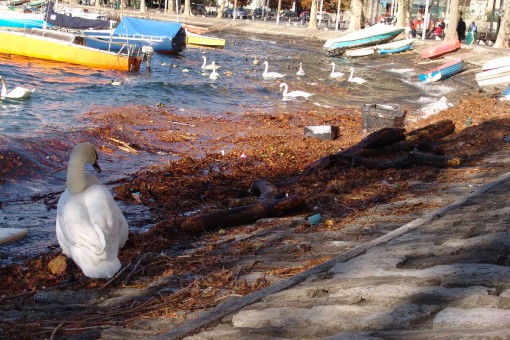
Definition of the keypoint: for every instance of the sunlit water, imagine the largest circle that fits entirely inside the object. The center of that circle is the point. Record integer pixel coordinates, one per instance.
(63, 93)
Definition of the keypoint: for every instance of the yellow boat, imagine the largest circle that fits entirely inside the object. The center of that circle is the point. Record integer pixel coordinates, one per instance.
(63, 47)
(199, 40)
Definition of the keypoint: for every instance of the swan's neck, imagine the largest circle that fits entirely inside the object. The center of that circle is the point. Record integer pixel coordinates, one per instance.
(205, 60)
(76, 180)
(285, 89)
(4, 89)
(267, 67)
(333, 70)
(352, 72)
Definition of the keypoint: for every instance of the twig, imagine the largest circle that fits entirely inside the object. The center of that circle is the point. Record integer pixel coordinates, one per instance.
(55, 330)
(126, 280)
(116, 276)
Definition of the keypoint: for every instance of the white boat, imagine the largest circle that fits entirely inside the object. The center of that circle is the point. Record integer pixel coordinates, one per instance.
(500, 75)
(496, 63)
(369, 36)
(360, 52)
(395, 46)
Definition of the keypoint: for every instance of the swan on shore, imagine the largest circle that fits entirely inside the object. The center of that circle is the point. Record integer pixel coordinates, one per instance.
(334, 74)
(214, 74)
(271, 75)
(300, 72)
(356, 80)
(15, 93)
(293, 94)
(210, 66)
(90, 226)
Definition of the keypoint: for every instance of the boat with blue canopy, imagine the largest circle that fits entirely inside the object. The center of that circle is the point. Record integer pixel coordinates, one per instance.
(163, 36)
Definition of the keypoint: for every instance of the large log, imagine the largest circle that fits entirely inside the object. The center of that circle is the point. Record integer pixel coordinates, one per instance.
(434, 131)
(269, 205)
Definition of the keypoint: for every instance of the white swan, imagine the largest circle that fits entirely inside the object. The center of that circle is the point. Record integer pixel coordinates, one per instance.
(214, 74)
(334, 74)
(293, 94)
(15, 93)
(210, 66)
(115, 83)
(357, 80)
(271, 75)
(90, 226)
(300, 72)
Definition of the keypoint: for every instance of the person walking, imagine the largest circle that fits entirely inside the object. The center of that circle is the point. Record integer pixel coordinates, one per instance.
(461, 29)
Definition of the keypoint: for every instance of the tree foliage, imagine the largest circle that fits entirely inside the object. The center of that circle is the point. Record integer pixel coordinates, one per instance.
(327, 5)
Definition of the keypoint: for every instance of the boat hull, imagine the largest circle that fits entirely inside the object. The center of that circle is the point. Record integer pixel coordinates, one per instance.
(496, 63)
(360, 52)
(395, 47)
(366, 37)
(13, 19)
(198, 40)
(440, 49)
(44, 47)
(495, 76)
(443, 72)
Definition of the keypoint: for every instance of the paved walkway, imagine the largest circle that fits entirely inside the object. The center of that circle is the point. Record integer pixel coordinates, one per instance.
(445, 275)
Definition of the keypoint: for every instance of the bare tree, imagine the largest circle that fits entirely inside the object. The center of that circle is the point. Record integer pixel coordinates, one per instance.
(313, 16)
(453, 19)
(187, 8)
(356, 15)
(402, 18)
(504, 27)
(221, 9)
(142, 6)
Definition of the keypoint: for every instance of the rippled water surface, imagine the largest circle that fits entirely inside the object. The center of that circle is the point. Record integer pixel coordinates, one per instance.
(63, 93)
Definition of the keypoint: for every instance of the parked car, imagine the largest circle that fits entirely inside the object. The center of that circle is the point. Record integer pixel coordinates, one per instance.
(240, 13)
(257, 13)
(304, 16)
(289, 15)
(198, 9)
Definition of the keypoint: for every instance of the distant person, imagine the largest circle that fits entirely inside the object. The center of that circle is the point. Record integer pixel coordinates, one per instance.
(461, 29)
(429, 33)
(439, 29)
(412, 26)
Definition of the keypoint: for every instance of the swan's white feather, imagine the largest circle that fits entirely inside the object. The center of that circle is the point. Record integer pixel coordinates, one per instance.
(293, 94)
(334, 74)
(271, 75)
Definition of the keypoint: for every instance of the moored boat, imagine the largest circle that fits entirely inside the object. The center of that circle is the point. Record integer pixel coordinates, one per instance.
(360, 52)
(443, 71)
(65, 47)
(21, 19)
(500, 75)
(440, 49)
(372, 35)
(395, 46)
(496, 63)
(163, 36)
(199, 40)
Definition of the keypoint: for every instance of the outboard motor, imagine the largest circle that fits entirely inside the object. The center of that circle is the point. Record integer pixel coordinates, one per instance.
(147, 53)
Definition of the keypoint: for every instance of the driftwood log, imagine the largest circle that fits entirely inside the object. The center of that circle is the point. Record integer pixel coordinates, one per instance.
(270, 204)
(419, 147)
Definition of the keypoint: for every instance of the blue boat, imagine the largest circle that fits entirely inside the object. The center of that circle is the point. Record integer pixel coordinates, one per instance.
(444, 71)
(370, 36)
(21, 19)
(395, 47)
(162, 36)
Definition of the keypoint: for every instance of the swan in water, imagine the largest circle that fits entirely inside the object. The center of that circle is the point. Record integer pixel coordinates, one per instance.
(15, 93)
(271, 75)
(256, 61)
(210, 66)
(334, 74)
(90, 226)
(300, 72)
(356, 80)
(293, 94)
(214, 74)
(115, 83)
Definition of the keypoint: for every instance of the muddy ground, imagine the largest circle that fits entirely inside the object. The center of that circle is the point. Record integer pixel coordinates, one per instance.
(169, 275)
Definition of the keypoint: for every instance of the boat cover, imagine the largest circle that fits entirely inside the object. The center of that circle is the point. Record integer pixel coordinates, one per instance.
(146, 27)
(68, 21)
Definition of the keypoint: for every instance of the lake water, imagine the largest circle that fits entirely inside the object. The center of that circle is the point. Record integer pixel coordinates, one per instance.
(63, 93)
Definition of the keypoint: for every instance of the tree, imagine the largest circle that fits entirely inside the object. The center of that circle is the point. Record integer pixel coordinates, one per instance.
(504, 28)
(221, 9)
(453, 19)
(356, 15)
(401, 14)
(187, 8)
(313, 16)
(142, 6)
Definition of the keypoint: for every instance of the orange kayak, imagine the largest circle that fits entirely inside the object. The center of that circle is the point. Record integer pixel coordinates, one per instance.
(440, 49)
